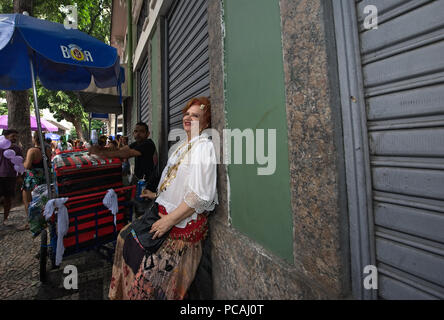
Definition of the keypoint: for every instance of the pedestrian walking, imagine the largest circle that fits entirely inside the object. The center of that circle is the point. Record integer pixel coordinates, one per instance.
(8, 175)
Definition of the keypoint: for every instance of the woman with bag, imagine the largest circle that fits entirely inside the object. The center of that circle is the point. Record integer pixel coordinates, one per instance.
(157, 255)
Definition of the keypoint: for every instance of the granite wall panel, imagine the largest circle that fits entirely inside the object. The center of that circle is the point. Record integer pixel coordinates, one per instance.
(241, 269)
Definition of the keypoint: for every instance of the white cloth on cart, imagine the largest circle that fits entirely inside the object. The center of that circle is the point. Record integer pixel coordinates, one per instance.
(62, 223)
(110, 201)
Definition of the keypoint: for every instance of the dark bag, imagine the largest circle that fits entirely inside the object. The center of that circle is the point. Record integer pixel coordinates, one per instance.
(142, 227)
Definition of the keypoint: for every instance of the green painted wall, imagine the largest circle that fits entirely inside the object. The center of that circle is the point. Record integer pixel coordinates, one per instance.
(155, 87)
(255, 98)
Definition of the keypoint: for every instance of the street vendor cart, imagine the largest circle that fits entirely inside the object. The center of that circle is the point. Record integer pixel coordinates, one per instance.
(84, 181)
(65, 59)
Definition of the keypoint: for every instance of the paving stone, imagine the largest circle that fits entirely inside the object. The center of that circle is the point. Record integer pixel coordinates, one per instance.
(19, 269)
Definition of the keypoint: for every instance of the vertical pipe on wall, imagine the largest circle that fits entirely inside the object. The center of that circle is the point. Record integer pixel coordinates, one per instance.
(163, 23)
(130, 46)
(357, 165)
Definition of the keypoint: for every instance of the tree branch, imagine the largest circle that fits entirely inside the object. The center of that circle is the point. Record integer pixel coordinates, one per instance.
(93, 21)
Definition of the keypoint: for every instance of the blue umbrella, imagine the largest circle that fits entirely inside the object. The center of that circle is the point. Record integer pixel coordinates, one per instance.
(52, 136)
(63, 59)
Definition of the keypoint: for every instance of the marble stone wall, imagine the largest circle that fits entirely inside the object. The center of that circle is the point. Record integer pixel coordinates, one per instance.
(315, 135)
(241, 269)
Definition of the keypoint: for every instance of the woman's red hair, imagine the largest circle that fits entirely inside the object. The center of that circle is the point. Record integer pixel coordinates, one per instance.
(200, 101)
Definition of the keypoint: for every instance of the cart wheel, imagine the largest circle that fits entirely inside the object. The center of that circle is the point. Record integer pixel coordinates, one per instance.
(43, 254)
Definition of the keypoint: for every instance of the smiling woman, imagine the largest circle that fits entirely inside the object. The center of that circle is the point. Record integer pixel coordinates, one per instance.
(197, 110)
(185, 195)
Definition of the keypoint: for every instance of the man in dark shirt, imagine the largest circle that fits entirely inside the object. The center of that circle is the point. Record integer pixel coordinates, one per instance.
(144, 151)
(146, 163)
(8, 176)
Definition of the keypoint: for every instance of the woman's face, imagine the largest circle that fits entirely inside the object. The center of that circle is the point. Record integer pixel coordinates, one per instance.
(194, 115)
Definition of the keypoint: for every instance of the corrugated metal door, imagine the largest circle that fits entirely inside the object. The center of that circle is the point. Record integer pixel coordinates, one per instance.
(403, 73)
(187, 56)
(144, 93)
(127, 117)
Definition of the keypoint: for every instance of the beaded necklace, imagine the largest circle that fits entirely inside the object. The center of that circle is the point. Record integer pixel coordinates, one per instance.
(172, 170)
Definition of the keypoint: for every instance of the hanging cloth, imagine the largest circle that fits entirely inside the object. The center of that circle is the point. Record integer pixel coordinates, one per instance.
(62, 223)
(110, 201)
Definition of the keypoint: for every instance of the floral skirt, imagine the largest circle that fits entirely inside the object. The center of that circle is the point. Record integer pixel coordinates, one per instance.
(33, 178)
(165, 275)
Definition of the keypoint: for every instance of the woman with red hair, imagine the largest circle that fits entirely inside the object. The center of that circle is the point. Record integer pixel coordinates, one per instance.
(185, 194)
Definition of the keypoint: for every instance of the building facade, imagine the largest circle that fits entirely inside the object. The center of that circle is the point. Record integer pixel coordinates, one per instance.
(348, 103)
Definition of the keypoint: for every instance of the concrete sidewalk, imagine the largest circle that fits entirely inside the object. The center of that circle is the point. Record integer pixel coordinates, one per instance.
(19, 267)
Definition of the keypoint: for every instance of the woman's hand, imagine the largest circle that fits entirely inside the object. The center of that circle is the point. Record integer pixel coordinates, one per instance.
(148, 194)
(166, 222)
(161, 226)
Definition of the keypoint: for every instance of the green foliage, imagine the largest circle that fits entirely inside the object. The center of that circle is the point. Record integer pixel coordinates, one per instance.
(73, 134)
(6, 6)
(96, 124)
(60, 103)
(3, 106)
(93, 16)
(3, 109)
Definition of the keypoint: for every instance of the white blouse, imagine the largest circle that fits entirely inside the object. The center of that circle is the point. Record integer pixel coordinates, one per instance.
(195, 181)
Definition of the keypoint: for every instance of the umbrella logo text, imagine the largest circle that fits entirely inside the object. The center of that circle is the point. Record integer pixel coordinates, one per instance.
(75, 52)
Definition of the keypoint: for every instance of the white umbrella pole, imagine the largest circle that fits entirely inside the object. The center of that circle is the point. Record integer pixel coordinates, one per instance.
(39, 128)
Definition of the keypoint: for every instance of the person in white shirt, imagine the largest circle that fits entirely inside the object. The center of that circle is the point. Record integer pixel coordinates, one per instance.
(185, 194)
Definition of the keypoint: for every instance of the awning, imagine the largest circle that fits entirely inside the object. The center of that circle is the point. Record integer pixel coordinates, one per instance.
(100, 103)
(102, 100)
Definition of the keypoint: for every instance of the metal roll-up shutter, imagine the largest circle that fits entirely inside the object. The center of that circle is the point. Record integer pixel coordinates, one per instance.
(144, 93)
(127, 117)
(403, 72)
(188, 57)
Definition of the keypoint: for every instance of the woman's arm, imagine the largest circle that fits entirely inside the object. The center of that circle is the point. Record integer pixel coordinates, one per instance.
(165, 223)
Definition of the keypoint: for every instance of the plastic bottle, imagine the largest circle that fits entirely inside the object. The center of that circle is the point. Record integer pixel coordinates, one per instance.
(94, 137)
(141, 184)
